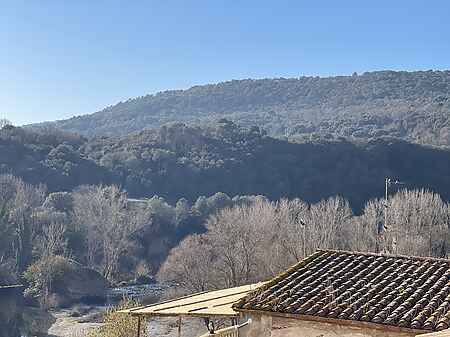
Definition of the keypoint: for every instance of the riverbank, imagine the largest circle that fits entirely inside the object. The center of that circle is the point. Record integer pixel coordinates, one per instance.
(77, 320)
(66, 325)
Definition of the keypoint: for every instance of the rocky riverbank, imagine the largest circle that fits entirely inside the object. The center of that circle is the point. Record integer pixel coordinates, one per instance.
(65, 325)
(73, 323)
(76, 320)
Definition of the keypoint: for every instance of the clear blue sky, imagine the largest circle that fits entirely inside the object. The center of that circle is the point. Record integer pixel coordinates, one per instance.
(61, 58)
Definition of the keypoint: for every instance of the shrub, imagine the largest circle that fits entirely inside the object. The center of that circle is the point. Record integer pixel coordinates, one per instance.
(117, 324)
(43, 274)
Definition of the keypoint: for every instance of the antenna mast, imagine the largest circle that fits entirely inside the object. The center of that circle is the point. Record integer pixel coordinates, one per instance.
(388, 182)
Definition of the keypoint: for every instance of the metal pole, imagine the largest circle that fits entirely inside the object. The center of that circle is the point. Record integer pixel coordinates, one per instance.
(179, 326)
(386, 202)
(303, 242)
(139, 327)
(386, 206)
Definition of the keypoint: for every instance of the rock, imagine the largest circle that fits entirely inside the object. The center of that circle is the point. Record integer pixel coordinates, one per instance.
(75, 313)
(80, 285)
(145, 279)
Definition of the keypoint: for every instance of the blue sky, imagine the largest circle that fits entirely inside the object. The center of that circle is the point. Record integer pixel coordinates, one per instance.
(61, 58)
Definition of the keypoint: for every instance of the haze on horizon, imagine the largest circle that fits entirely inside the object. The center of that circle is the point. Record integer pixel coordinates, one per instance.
(71, 58)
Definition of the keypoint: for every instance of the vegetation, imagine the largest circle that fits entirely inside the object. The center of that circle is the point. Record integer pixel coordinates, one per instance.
(414, 106)
(45, 236)
(116, 324)
(178, 161)
(73, 199)
(48, 157)
(250, 243)
(42, 275)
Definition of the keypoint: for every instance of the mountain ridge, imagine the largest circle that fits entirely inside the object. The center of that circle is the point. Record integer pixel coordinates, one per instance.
(413, 106)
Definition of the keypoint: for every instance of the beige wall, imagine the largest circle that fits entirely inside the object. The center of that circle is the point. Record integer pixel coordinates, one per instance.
(261, 326)
(283, 327)
(267, 326)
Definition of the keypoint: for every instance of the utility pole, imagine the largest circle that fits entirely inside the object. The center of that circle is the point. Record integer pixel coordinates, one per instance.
(387, 181)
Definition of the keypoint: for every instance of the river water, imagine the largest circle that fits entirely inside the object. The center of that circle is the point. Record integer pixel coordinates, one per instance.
(146, 293)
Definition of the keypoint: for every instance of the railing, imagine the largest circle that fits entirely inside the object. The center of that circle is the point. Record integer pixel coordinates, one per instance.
(232, 331)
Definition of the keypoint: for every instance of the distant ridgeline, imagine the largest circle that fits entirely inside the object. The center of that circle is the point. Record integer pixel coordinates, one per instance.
(178, 161)
(413, 106)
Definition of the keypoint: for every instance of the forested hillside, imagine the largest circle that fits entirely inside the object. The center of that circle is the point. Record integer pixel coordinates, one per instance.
(414, 106)
(49, 157)
(179, 161)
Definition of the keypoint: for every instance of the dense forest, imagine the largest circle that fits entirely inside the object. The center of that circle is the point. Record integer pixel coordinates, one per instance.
(413, 106)
(178, 161)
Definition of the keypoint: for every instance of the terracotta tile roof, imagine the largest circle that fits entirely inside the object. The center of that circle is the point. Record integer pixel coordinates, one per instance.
(401, 291)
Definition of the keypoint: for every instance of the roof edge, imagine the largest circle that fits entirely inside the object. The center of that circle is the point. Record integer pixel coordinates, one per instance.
(191, 314)
(347, 322)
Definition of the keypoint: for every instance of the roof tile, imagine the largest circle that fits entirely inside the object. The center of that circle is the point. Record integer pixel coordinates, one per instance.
(401, 291)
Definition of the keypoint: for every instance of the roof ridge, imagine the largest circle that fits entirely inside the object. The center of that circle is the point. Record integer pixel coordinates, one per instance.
(399, 256)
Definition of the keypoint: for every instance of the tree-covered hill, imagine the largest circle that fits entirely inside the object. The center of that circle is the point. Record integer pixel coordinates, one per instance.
(178, 161)
(49, 157)
(414, 106)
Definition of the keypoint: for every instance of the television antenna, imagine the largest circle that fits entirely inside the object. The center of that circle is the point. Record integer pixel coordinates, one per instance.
(385, 227)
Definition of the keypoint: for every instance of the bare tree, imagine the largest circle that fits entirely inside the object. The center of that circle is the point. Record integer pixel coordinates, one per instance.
(327, 224)
(239, 236)
(18, 201)
(4, 122)
(253, 242)
(365, 231)
(110, 224)
(417, 223)
(291, 231)
(234, 251)
(54, 240)
(191, 265)
(250, 243)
